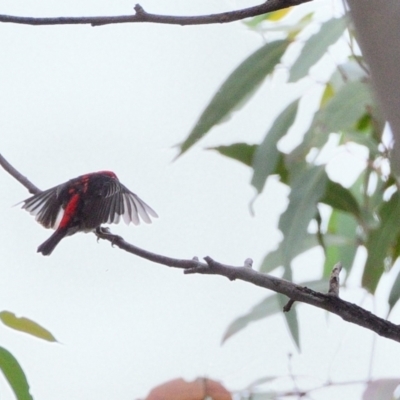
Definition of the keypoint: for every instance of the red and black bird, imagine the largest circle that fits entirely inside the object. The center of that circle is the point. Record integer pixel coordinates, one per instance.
(83, 204)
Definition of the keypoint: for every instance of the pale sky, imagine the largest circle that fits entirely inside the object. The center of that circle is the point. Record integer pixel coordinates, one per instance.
(77, 99)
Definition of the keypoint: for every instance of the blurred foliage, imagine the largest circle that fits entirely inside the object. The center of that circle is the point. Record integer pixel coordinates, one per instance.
(348, 217)
(9, 365)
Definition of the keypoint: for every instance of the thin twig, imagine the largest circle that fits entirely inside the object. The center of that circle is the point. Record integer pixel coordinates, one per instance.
(334, 282)
(142, 16)
(18, 176)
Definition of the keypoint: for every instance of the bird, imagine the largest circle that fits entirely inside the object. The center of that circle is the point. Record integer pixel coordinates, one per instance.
(84, 203)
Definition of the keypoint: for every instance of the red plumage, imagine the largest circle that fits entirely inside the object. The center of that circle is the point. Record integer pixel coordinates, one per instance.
(83, 204)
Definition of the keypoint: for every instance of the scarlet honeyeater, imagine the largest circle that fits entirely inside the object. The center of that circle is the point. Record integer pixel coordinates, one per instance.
(83, 204)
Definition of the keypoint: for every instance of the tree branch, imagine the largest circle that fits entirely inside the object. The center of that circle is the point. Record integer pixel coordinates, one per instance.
(330, 302)
(18, 176)
(142, 16)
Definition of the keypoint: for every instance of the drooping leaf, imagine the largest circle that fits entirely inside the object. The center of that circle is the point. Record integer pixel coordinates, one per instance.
(394, 295)
(291, 320)
(275, 259)
(242, 152)
(345, 108)
(265, 308)
(308, 188)
(381, 389)
(340, 241)
(361, 138)
(278, 15)
(327, 95)
(341, 112)
(380, 242)
(340, 198)
(266, 156)
(255, 21)
(316, 46)
(294, 29)
(26, 325)
(241, 83)
(14, 375)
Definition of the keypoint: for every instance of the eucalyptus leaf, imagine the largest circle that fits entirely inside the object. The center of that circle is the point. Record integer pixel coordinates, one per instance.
(26, 325)
(342, 227)
(291, 320)
(15, 375)
(345, 108)
(380, 242)
(306, 191)
(340, 198)
(239, 85)
(265, 308)
(317, 46)
(394, 295)
(242, 152)
(267, 155)
(275, 258)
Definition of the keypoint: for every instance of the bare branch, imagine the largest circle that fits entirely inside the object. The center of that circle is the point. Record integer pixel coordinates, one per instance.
(142, 16)
(348, 311)
(18, 176)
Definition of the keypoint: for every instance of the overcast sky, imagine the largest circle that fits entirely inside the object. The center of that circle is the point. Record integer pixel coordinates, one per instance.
(77, 99)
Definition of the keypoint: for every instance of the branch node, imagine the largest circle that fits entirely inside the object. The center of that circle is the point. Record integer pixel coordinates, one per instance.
(139, 10)
(248, 263)
(288, 305)
(334, 282)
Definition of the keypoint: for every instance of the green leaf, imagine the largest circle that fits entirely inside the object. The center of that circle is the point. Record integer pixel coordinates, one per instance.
(266, 156)
(308, 188)
(291, 320)
(275, 258)
(394, 295)
(380, 242)
(316, 46)
(327, 95)
(265, 308)
(14, 375)
(340, 198)
(255, 21)
(26, 325)
(340, 241)
(363, 139)
(281, 169)
(278, 15)
(242, 152)
(345, 108)
(341, 112)
(241, 83)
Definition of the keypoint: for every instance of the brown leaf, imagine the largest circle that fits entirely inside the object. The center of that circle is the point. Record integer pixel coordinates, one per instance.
(179, 389)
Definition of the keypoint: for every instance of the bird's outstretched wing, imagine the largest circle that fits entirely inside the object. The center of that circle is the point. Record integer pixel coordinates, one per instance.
(46, 207)
(116, 201)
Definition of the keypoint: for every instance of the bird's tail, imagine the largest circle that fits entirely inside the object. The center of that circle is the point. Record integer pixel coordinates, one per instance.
(49, 245)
